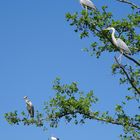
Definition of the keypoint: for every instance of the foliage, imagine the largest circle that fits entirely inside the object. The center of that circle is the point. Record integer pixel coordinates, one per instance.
(73, 105)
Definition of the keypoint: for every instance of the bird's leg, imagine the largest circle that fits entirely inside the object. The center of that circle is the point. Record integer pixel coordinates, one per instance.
(86, 10)
(28, 116)
(120, 57)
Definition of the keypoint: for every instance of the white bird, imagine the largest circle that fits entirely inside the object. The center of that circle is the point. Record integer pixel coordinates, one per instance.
(54, 138)
(119, 43)
(29, 106)
(88, 4)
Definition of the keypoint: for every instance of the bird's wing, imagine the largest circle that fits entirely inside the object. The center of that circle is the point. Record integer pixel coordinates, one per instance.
(88, 3)
(30, 109)
(122, 45)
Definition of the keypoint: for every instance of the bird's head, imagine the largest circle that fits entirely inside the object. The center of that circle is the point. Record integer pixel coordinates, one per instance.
(25, 97)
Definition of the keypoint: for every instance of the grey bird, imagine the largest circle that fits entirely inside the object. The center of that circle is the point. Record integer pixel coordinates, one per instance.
(124, 49)
(29, 106)
(88, 4)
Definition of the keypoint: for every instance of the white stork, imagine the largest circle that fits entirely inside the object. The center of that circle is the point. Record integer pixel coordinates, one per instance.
(29, 106)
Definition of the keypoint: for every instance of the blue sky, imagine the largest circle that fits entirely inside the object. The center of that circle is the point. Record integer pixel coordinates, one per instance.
(36, 46)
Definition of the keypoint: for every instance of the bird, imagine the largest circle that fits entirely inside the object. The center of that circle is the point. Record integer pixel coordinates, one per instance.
(29, 106)
(124, 49)
(54, 138)
(88, 4)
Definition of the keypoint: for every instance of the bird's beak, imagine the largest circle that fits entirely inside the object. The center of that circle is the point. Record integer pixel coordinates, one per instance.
(106, 29)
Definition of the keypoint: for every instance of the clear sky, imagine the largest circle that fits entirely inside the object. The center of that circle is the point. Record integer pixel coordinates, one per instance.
(36, 46)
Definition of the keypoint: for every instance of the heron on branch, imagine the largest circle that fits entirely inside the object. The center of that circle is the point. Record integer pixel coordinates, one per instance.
(29, 106)
(88, 4)
(124, 49)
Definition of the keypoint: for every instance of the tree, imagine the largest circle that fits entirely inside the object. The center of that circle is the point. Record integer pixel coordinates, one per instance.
(70, 102)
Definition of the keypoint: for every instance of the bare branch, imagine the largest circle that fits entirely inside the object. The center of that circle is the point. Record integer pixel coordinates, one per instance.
(132, 59)
(130, 3)
(128, 77)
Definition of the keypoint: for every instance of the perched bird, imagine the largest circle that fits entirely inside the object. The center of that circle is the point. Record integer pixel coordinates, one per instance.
(29, 106)
(119, 43)
(54, 138)
(88, 4)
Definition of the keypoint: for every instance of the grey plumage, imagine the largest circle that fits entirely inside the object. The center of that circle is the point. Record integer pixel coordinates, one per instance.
(88, 4)
(29, 106)
(123, 46)
(119, 43)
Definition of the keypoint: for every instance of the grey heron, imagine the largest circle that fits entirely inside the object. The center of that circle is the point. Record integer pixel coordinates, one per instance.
(119, 43)
(88, 4)
(54, 138)
(29, 106)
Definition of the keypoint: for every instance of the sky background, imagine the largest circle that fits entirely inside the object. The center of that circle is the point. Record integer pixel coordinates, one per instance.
(36, 46)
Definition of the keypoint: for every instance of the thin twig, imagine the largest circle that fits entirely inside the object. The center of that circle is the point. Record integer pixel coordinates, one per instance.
(129, 79)
(132, 59)
(130, 3)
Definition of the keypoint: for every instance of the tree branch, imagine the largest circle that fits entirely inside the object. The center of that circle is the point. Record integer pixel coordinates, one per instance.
(130, 3)
(129, 79)
(90, 116)
(132, 59)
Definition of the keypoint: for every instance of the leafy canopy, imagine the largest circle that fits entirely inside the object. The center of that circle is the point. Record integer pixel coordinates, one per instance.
(72, 104)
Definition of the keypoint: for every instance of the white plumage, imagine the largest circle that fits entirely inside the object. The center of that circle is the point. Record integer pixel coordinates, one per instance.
(88, 4)
(29, 106)
(119, 43)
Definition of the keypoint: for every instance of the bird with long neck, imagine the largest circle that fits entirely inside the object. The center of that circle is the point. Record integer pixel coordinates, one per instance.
(113, 36)
(29, 106)
(119, 43)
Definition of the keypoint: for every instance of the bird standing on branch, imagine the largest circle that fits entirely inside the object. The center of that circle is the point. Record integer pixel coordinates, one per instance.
(88, 4)
(29, 106)
(119, 43)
